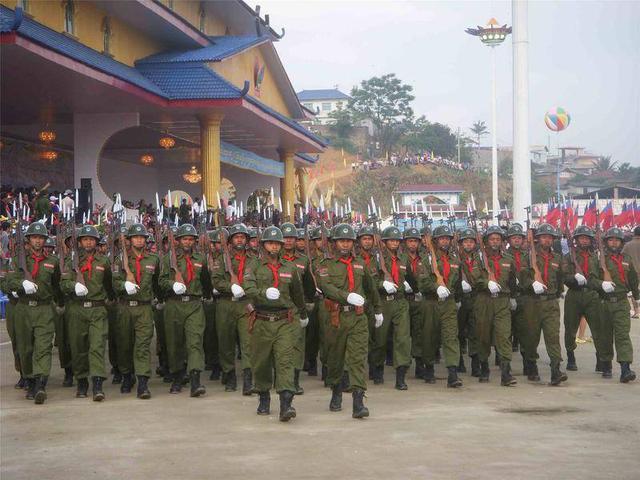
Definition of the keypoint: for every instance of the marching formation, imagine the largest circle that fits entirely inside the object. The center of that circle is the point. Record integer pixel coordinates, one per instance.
(266, 302)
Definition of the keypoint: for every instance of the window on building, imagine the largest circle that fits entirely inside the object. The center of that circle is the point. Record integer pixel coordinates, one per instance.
(106, 35)
(326, 107)
(24, 4)
(69, 15)
(339, 105)
(308, 105)
(203, 17)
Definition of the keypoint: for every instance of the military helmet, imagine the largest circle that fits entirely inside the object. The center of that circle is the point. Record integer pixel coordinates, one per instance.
(89, 231)
(366, 230)
(137, 230)
(50, 242)
(494, 229)
(253, 232)
(214, 235)
(614, 232)
(272, 234)
(442, 231)
(391, 233)
(515, 229)
(102, 241)
(584, 230)
(467, 233)
(37, 228)
(316, 233)
(343, 231)
(237, 229)
(123, 230)
(186, 230)
(426, 230)
(300, 233)
(288, 230)
(411, 233)
(546, 229)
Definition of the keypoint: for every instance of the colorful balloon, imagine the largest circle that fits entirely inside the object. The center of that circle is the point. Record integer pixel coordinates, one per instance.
(557, 119)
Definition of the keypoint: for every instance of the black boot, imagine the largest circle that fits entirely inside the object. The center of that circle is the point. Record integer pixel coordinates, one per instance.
(598, 364)
(247, 382)
(68, 377)
(296, 383)
(40, 392)
(506, 379)
(127, 383)
(572, 366)
(313, 367)
(438, 356)
(287, 412)
(359, 410)
(264, 406)
(532, 372)
(515, 344)
(526, 366)
(31, 389)
(626, 374)
(335, 405)
(117, 376)
(606, 369)
(83, 388)
(98, 394)
(378, 375)
(371, 371)
(20, 384)
(475, 366)
(197, 389)
(143, 388)
(215, 372)
(400, 382)
(323, 377)
(344, 382)
(419, 368)
(429, 374)
(484, 372)
(461, 366)
(453, 381)
(497, 362)
(232, 382)
(176, 382)
(168, 378)
(557, 376)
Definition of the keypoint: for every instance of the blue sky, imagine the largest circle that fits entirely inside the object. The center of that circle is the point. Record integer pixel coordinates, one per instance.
(583, 56)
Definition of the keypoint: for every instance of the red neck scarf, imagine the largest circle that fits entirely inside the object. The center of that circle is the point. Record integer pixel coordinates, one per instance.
(289, 258)
(36, 266)
(366, 257)
(347, 262)
(274, 271)
(190, 273)
(469, 262)
(241, 259)
(139, 268)
(585, 262)
(414, 263)
(617, 259)
(395, 270)
(496, 265)
(446, 267)
(516, 256)
(545, 275)
(88, 266)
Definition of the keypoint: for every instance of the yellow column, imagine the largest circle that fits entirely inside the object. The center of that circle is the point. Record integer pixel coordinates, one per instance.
(302, 185)
(210, 154)
(288, 183)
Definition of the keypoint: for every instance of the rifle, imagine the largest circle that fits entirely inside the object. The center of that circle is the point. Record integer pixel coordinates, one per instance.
(383, 266)
(485, 258)
(325, 241)
(434, 262)
(75, 258)
(456, 241)
(603, 263)
(173, 259)
(572, 251)
(22, 256)
(60, 247)
(533, 257)
(125, 259)
(307, 251)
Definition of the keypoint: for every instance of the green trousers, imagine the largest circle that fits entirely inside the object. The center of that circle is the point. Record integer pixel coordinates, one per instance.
(184, 329)
(323, 325)
(232, 323)
(210, 335)
(299, 344)
(34, 330)
(112, 337)
(519, 326)
(312, 334)
(615, 323)
(493, 324)
(543, 316)
(347, 349)
(161, 338)
(395, 312)
(576, 304)
(62, 338)
(88, 330)
(135, 331)
(467, 324)
(272, 348)
(416, 319)
(11, 330)
(441, 321)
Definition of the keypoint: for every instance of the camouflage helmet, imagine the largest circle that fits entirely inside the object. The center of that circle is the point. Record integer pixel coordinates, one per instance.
(515, 229)
(493, 229)
(343, 231)
(300, 233)
(316, 233)
(253, 232)
(442, 231)
(238, 228)
(272, 234)
(37, 228)
(366, 230)
(186, 230)
(214, 235)
(102, 241)
(614, 232)
(467, 233)
(411, 233)
(89, 231)
(50, 242)
(137, 230)
(391, 233)
(426, 230)
(288, 230)
(584, 230)
(546, 229)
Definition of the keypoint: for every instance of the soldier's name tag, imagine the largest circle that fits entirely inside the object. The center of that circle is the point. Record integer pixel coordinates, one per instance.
(215, 264)
(151, 268)
(323, 272)
(300, 266)
(506, 265)
(100, 268)
(554, 265)
(453, 265)
(402, 267)
(359, 267)
(285, 275)
(48, 265)
(626, 264)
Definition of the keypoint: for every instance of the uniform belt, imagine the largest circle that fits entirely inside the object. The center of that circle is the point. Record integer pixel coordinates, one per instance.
(544, 298)
(91, 303)
(389, 298)
(273, 316)
(185, 298)
(580, 289)
(614, 299)
(32, 303)
(414, 297)
(134, 303)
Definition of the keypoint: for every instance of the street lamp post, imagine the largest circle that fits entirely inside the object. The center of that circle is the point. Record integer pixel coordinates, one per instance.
(492, 35)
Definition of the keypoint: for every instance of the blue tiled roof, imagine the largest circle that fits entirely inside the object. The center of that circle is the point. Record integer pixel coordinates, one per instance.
(327, 94)
(223, 47)
(307, 158)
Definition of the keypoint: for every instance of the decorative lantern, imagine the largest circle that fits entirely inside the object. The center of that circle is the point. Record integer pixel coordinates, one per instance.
(47, 136)
(167, 142)
(49, 155)
(192, 176)
(146, 159)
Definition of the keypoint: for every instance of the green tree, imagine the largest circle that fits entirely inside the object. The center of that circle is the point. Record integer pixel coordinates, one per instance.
(341, 129)
(605, 164)
(479, 129)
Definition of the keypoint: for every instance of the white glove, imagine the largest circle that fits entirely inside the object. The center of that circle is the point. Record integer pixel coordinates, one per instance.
(517, 282)
(407, 287)
(608, 287)
(215, 292)
(379, 320)
(580, 279)
(237, 291)
(15, 294)
(389, 287)
(160, 306)
(466, 287)
(513, 304)
(318, 291)
(494, 287)
(29, 287)
(458, 305)
(131, 288)
(304, 322)
(81, 290)
(443, 292)
(179, 288)
(272, 293)
(538, 288)
(355, 299)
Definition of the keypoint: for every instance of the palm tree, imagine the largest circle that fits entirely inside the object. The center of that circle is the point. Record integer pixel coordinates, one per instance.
(605, 164)
(479, 129)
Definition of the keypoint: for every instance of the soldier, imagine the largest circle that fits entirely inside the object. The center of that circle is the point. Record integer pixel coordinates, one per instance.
(49, 246)
(615, 321)
(135, 318)
(232, 310)
(184, 314)
(441, 319)
(62, 325)
(254, 246)
(365, 238)
(34, 314)
(319, 321)
(470, 263)
(158, 317)
(277, 294)
(212, 360)
(347, 286)
(11, 322)
(520, 296)
(582, 298)
(542, 310)
(300, 242)
(492, 306)
(87, 314)
(113, 310)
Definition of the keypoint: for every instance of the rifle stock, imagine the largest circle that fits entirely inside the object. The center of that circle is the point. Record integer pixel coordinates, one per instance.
(173, 259)
(533, 257)
(485, 258)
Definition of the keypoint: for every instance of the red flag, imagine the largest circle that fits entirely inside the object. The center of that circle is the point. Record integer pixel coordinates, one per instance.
(607, 216)
(589, 217)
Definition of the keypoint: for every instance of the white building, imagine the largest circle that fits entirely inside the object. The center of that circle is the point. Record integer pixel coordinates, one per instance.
(434, 195)
(323, 102)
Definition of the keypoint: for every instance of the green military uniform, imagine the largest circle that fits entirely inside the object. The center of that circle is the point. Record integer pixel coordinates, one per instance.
(211, 356)
(316, 344)
(10, 308)
(114, 325)
(518, 297)
(469, 263)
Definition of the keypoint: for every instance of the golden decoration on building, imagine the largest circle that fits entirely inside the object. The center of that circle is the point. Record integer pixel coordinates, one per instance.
(146, 159)
(167, 142)
(192, 176)
(47, 136)
(49, 155)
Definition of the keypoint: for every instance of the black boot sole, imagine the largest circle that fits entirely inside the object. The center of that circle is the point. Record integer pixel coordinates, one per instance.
(402, 387)
(457, 384)
(263, 412)
(40, 397)
(144, 395)
(288, 415)
(361, 414)
(98, 397)
(628, 378)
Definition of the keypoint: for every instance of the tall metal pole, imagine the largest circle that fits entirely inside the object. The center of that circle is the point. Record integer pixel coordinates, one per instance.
(495, 203)
(521, 161)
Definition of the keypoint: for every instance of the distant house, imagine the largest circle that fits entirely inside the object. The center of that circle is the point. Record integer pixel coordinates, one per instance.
(323, 102)
(431, 194)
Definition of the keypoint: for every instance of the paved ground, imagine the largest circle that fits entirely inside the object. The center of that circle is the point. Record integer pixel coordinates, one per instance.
(587, 429)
